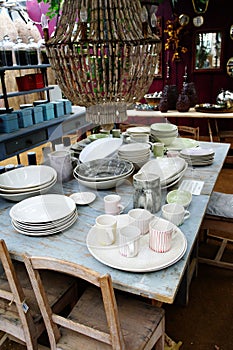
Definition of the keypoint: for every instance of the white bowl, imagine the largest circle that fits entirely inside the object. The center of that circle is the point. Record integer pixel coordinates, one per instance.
(164, 127)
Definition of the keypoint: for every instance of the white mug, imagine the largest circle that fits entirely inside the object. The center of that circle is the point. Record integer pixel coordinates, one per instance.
(141, 218)
(106, 229)
(160, 235)
(129, 238)
(112, 204)
(175, 213)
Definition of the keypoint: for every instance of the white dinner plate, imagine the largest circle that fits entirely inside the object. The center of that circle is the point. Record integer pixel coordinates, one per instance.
(44, 232)
(27, 177)
(197, 152)
(180, 143)
(44, 208)
(83, 198)
(99, 149)
(146, 261)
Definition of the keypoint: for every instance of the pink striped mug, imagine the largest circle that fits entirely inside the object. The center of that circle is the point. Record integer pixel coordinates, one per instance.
(160, 235)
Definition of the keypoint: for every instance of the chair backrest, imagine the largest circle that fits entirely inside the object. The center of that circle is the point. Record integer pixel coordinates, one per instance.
(189, 131)
(35, 265)
(21, 327)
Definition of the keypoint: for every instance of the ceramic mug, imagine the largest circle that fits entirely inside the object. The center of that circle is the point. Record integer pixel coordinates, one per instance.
(106, 229)
(175, 213)
(158, 149)
(116, 133)
(129, 238)
(112, 204)
(160, 235)
(141, 219)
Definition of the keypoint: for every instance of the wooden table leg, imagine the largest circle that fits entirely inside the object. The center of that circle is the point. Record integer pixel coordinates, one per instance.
(210, 130)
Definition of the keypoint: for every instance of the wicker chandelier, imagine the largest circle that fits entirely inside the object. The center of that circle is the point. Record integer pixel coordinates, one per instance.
(104, 56)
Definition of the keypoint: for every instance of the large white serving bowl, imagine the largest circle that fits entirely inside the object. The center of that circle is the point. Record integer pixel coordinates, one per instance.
(164, 132)
(27, 177)
(167, 141)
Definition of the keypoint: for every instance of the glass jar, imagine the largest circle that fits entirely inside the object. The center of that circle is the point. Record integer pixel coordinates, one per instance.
(21, 54)
(8, 51)
(32, 51)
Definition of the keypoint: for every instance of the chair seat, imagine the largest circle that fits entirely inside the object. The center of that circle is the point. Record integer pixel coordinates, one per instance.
(90, 311)
(218, 228)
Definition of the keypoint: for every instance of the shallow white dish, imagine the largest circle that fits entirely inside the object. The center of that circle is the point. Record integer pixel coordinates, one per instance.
(197, 152)
(44, 208)
(99, 149)
(147, 260)
(165, 168)
(139, 130)
(180, 143)
(83, 198)
(27, 177)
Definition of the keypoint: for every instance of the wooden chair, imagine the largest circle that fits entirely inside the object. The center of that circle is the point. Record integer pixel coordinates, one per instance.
(217, 226)
(97, 321)
(188, 131)
(20, 316)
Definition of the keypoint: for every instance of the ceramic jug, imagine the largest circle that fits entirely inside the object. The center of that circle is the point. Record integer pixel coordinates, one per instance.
(147, 192)
(61, 161)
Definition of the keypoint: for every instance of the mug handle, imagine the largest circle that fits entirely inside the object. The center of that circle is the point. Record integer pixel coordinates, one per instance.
(186, 215)
(121, 207)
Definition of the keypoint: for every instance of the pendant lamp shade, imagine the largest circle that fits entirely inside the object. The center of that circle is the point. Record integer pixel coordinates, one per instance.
(104, 56)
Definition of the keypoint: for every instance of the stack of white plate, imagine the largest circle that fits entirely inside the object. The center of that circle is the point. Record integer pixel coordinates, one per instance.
(198, 156)
(137, 153)
(170, 170)
(139, 133)
(28, 181)
(103, 173)
(164, 132)
(43, 215)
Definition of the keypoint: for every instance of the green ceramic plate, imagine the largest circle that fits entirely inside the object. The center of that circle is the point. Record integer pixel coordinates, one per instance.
(178, 196)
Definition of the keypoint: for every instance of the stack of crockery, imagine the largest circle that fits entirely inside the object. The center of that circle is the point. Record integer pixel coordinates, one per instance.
(48, 214)
(139, 133)
(103, 173)
(137, 153)
(198, 156)
(164, 132)
(28, 181)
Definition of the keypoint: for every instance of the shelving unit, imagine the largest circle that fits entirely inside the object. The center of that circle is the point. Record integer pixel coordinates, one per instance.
(6, 95)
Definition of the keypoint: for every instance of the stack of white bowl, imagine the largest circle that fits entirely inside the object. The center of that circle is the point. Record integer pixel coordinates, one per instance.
(164, 132)
(28, 181)
(137, 153)
(139, 133)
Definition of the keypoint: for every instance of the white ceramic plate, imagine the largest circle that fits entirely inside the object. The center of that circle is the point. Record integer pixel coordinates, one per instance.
(147, 260)
(180, 143)
(165, 168)
(99, 149)
(197, 152)
(45, 232)
(27, 177)
(44, 208)
(83, 198)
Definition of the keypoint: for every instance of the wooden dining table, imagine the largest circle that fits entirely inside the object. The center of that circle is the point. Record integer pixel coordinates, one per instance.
(163, 285)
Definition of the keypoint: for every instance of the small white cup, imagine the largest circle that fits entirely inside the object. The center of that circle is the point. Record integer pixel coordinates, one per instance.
(175, 213)
(141, 218)
(106, 229)
(160, 235)
(129, 238)
(112, 204)
(158, 149)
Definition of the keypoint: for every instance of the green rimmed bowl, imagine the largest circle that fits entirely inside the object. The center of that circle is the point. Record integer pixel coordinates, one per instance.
(179, 196)
(94, 137)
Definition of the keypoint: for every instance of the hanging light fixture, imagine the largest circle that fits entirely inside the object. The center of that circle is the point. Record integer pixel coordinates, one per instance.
(104, 56)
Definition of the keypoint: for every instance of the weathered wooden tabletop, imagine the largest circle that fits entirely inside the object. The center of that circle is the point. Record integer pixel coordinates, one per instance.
(70, 245)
